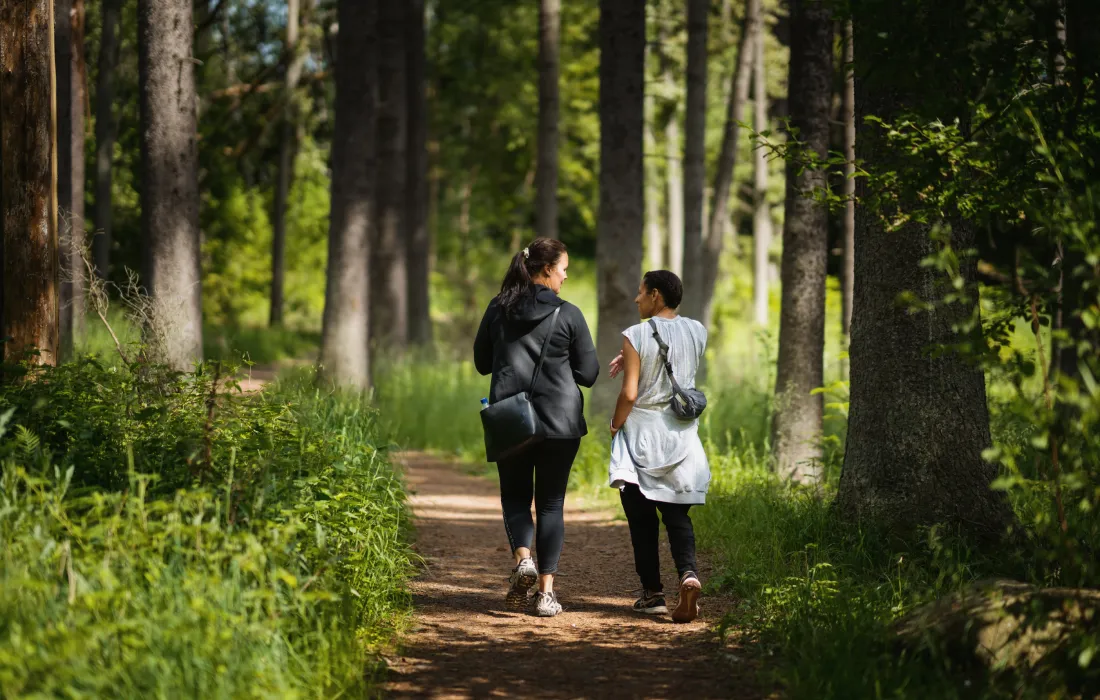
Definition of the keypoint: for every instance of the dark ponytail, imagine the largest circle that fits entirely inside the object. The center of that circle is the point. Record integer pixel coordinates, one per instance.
(527, 263)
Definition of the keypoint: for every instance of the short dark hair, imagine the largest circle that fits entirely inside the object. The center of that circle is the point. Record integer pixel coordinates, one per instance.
(668, 284)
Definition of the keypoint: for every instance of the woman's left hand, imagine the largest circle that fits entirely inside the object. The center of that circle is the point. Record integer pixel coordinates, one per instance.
(614, 430)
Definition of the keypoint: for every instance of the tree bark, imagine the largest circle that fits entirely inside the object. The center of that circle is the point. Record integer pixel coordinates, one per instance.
(727, 158)
(655, 240)
(169, 190)
(106, 127)
(288, 142)
(389, 283)
(674, 174)
(622, 178)
(416, 210)
(546, 174)
(796, 426)
(918, 421)
(69, 49)
(848, 274)
(695, 158)
(345, 351)
(762, 215)
(28, 183)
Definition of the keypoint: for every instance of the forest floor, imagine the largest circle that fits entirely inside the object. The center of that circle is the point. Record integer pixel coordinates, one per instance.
(465, 643)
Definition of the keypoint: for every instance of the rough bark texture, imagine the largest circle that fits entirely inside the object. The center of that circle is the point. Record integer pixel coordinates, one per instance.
(106, 125)
(28, 197)
(389, 283)
(848, 269)
(917, 423)
(761, 214)
(416, 210)
(796, 425)
(654, 234)
(169, 190)
(621, 215)
(295, 57)
(69, 50)
(695, 158)
(727, 158)
(546, 173)
(674, 174)
(345, 351)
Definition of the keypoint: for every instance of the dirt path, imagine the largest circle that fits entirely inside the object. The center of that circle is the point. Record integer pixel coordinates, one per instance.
(467, 644)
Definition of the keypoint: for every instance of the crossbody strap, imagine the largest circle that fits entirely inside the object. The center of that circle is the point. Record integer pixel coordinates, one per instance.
(664, 355)
(545, 344)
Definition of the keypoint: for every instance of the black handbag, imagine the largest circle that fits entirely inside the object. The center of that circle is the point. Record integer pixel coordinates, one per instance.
(511, 425)
(687, 404)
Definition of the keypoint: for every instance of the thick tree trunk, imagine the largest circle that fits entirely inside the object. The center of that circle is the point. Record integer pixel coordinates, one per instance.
(918, 421)
(546, 174)
(69, 49)
(762, 215)
(695, 158)
(169, 190)
(345, 351)
(727, 158)
(389, 279)
(622, 178)
(848, 269)
(295, 57)
(106, 125)
(416, 210)
(796, 426)
(28, 192)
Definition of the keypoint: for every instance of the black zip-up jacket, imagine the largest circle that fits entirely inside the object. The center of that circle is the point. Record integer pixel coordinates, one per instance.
(508, 346)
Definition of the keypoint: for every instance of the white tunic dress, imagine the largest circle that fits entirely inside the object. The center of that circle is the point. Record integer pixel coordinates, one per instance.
(655, 449)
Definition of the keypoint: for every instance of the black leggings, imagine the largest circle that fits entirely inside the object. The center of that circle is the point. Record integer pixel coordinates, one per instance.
(544, 471)
(645, 530)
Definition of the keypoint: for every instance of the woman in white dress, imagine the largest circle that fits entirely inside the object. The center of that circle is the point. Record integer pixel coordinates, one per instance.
(657, 459)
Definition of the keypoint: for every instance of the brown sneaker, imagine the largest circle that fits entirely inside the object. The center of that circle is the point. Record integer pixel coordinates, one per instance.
(687, 608)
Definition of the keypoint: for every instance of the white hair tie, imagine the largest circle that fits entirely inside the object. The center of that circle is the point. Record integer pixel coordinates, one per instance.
(526, 253)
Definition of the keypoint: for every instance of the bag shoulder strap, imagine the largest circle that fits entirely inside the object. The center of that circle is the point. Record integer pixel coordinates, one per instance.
(664, 355)
(542, 353)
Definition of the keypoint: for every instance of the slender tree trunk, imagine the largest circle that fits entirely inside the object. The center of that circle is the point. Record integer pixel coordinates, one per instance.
(345, 350)
(106, 125)
(796, 427)
(389, 282)
(69, 49)
(695, 158)
(848, 274)
(674, 181)
(762, 215)
(29, 282)
(622, 177)
(546, 176)
(416, 210)
(918, 421)
(295, 58)
(727, 158)
(654, 237)
(170, 191)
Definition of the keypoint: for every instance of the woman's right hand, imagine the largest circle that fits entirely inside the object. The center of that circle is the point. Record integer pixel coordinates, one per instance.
(616, 365)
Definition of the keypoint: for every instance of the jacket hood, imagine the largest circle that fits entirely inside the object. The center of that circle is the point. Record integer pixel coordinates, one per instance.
(536, 305)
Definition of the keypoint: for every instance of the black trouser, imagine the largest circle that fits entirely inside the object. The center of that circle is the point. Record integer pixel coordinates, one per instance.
(543, 470)
(645, 530)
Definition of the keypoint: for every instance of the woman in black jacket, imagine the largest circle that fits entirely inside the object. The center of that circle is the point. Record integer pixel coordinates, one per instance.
(508, 345)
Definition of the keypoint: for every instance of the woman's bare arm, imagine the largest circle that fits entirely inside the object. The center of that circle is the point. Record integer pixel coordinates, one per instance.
(632, 369)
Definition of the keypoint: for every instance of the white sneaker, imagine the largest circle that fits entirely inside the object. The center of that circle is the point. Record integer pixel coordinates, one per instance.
(546, 604)
(523, 577)
(687, 608)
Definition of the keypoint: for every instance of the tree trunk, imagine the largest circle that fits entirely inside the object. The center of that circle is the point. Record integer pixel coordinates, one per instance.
(106, 126)
(918, 422)
(796, 426)
(622, 178)
(345, 351)
(727, 158)
(389, 283)
(295, 58)
(416, 210)
(762, 215)
(695, 158)
(28, 183)
(546, 175)
(69, 49)
(169, 189)
(848, 274)
(654, 237)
